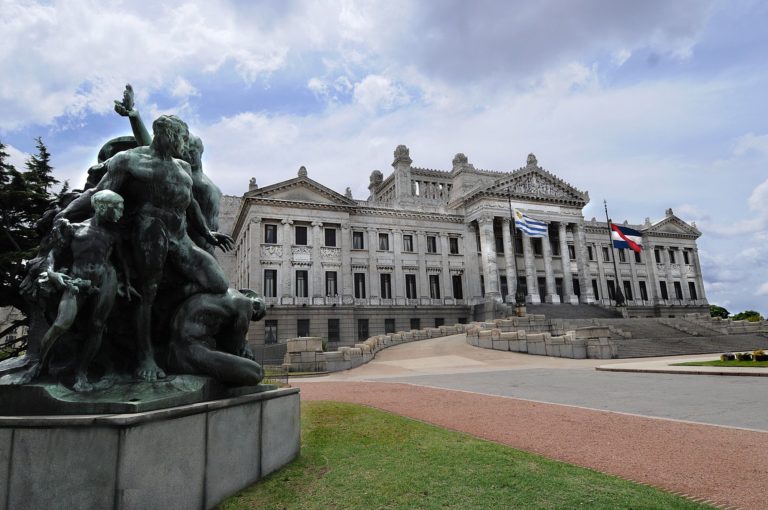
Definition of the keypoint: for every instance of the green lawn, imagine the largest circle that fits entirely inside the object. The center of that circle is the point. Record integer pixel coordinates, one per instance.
(356, 457)
(718, 363)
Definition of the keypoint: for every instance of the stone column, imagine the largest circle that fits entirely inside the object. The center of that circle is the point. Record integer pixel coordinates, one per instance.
(472, 268)
(255, 275)
(287, 267)
(421, 249)
(317, 290)
(398, 284)
(582, 264)
(509, 260)
(653, 272)
(530, 272)
(346, 265)
(488, 251)
(565, 258)
(373, 273)
(447, 290)
(551, 296)
(668, 271)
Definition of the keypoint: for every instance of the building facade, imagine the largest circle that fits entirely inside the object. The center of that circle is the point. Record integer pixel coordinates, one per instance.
(429, 245)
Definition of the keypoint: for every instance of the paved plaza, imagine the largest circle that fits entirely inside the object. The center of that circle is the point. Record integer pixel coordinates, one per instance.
(704, 436)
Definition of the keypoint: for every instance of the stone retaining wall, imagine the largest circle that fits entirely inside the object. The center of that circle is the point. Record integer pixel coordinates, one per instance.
(305, 354)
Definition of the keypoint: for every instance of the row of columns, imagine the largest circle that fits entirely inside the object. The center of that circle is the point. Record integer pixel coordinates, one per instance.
(491, 270)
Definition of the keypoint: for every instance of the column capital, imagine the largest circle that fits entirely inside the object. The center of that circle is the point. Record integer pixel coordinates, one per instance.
(506, 220)
(345, 226)
(255, 219)
(317, 223)
(287, 222)
(485, 219)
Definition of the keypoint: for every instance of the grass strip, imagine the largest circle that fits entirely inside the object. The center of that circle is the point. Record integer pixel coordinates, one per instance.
(356, 457)
(718, 363)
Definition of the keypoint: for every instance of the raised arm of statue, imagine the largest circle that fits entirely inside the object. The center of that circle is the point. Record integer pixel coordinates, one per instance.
(126, 108)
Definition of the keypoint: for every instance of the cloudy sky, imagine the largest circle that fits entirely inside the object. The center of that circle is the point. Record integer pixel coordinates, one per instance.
(649, 105)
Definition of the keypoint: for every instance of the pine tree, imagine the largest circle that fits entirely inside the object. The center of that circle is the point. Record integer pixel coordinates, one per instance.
(24, 197)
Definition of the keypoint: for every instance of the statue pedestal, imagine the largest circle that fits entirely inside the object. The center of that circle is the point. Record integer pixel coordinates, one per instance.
(192, 455)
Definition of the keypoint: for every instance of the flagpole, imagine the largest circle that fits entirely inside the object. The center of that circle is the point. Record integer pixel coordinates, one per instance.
(618, 296)
(519, 296)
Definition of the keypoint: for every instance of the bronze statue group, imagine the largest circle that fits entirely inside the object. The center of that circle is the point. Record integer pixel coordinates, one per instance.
(125, 281)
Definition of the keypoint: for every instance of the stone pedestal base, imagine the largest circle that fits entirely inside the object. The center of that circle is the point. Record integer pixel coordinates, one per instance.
(533, 299)
(189, 456)
(552, 298)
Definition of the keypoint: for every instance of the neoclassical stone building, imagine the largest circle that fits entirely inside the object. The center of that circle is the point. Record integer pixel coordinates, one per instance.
(427, 246)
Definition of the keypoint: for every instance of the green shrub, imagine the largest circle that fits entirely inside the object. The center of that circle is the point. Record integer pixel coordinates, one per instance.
(728, 356)
(744, 356)
(760, 355)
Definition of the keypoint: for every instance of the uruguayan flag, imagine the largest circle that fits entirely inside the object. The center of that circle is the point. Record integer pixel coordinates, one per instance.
(529, 226)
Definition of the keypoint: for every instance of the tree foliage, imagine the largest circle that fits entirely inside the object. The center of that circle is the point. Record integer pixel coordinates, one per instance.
(24, 197)
(718, 311)
(748, 315)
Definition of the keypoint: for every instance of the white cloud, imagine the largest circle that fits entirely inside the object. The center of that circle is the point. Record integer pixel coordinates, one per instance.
(182, 89)
(377, 92)
(751, 142)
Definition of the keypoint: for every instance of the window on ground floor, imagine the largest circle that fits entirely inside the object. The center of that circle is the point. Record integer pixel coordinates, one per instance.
(643, 291)
(362, 329)
(302, 285)
(678, 290)
(595, 288)
(439, 321)
(628, 289)
(270, 283)
(386, 285)
(331, 288)
(504, 287)
(611, 289)
(410, 286)
(302, 327)
(389, 326)
(434, 286)
(333, 330)
(458, 291)
(576, 287)
(664, 293)
(360, 285)
(692, 290)
(415, 323)
(270, 331)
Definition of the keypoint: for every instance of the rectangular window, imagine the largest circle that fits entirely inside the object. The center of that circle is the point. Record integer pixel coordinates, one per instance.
(671, 256)
(386, 286)
(622, 255)
(458, 291)
(360, 285)
(462, 320)
(657, 254)
(270, 331)
(439, 321)
(519, 244)
(415, 323)
(571, 252)
(611, 289)
(453, 245)
(434, 286)
(627, 290)
(302, 327)
(686, 257)
(595, 289)
(270, 283)
(331, 288)
(358, 242)
(477, 240)
(410, 286)
(692, 291)
(301, 235)
(330, 237)
(504, 287)
(678, 290)
(301, 284)
(431, 244)
(522, 284)
(384, 242)
(576, 287)
(270, 234)
(664, 293)
(389, 326)
(482, 286)
(499, 245)
(362, 329)
(537, 246)
(554, 244)
(590, 253)
(407, 242)
(643, 291)
(606, 254)
(333, 330)
(638, 258)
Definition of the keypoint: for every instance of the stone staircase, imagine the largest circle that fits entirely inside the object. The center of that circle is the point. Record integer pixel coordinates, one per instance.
(687, 344)
(565, 311)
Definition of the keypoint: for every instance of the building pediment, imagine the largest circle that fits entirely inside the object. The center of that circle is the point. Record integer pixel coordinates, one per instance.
(672, 226)
(535, 184)
(301, 189)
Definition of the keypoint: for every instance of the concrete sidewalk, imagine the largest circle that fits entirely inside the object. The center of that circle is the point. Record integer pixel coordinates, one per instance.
(666, 366)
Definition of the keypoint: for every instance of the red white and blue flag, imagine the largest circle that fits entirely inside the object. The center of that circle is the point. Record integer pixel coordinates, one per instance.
(625, 237)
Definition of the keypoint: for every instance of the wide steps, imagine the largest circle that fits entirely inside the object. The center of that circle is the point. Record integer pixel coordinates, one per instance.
(648, 347)
(568, 311)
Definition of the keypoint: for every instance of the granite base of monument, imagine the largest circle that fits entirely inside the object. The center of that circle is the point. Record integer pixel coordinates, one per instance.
(189, 456)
